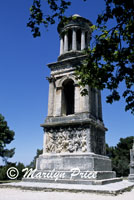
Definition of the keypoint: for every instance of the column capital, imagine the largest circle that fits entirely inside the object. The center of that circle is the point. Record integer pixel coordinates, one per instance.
(74, 28)
(51, 79)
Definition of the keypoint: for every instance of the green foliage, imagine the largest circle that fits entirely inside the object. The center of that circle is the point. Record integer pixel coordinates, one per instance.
(37, 17)
(20, 166)
(3, 170)
(6, 136)
(33, 163)
(110, 59)
(120, 156)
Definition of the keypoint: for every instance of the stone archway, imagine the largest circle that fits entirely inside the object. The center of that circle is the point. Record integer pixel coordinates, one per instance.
(68, 89)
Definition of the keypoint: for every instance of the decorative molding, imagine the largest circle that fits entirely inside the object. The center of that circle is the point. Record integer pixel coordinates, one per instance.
(59, 83)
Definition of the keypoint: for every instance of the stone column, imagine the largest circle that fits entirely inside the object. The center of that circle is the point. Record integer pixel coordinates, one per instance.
(58, 106)
(51, 97)
(99, 105)
(93, 102)
(77, 99)
(86, 101)
(83, 40)
(65, 42)
(74, 43)
(90, 100)
(89, 139)
(96, 98)
(61, 46)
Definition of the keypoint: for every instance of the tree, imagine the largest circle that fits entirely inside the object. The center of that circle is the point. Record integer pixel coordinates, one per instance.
(20, 166)
(33, 163)
(37, 17)
(120, 156)
(3, 170)
(6, 136)
(110, 59)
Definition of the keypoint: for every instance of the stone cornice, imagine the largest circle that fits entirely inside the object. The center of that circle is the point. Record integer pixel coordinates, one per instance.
(68, 61)
(81, 119)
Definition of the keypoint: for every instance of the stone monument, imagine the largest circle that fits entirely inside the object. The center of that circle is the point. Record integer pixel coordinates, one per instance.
(74, 132)
(131, 175)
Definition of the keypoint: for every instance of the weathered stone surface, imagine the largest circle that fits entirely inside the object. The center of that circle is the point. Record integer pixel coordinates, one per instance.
(67, 161)
(78, 168)
(74, 129)
(74, 138)
(73, 177)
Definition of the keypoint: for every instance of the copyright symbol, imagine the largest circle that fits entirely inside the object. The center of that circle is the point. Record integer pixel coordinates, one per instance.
(12, 173)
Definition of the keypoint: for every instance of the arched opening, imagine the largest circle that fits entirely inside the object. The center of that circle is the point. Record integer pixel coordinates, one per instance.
(68, 97)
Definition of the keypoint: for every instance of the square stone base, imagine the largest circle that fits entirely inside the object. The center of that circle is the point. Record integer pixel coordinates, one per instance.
(68, 161)
(80, 168)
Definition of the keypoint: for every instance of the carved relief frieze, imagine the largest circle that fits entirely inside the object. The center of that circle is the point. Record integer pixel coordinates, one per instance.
(66, 139)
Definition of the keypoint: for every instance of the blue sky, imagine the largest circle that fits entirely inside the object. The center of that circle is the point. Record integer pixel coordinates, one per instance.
(23, 72)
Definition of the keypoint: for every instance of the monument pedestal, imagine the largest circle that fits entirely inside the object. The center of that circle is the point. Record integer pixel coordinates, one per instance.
(79, 168)
(67, 161)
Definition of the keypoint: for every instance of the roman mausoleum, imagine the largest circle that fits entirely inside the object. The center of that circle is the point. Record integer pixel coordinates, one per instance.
(74, 132)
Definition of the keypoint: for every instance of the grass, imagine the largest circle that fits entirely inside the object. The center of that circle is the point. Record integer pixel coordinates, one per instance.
(9, 181)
